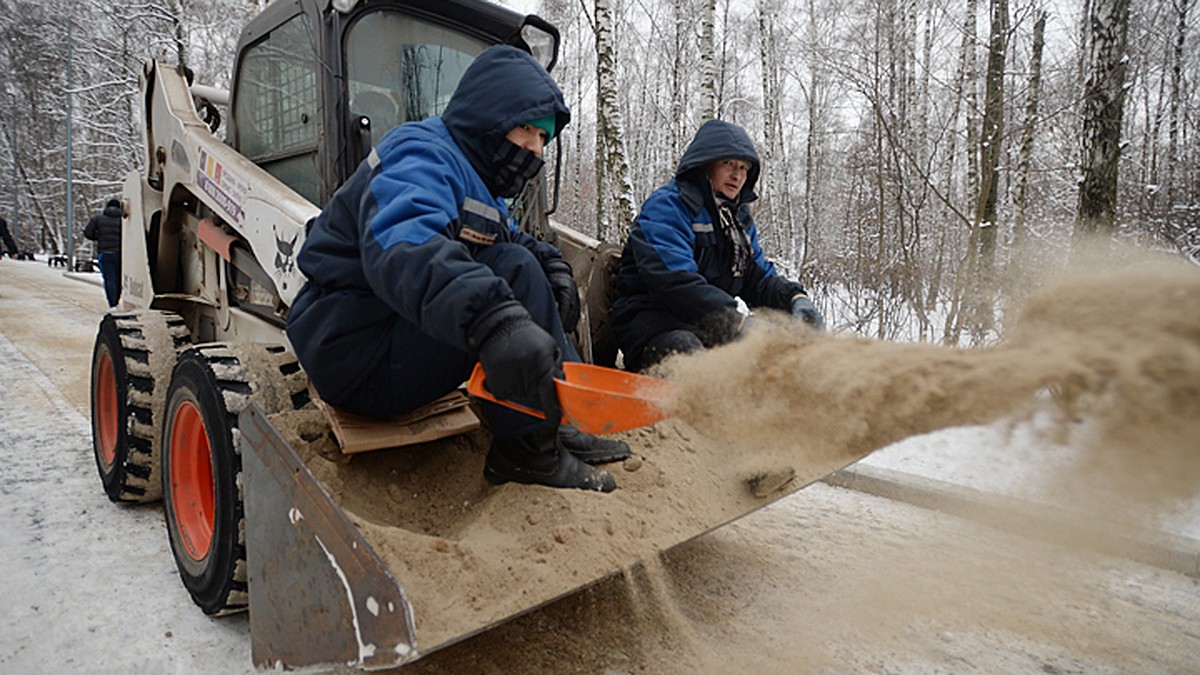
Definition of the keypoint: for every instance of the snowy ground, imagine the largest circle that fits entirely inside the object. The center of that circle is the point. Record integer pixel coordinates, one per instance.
(1017, 461)
(827, 579)
(88, 586)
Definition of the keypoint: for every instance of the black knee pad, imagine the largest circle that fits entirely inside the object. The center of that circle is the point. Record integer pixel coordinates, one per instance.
(663, 345)
(676, 342)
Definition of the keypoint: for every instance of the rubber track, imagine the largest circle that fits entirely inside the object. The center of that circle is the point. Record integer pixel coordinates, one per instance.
(144, 337)
(270, 376)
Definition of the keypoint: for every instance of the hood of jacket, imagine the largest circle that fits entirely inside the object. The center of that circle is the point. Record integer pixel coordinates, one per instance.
(503, 88)
(113, 208)
(714, 140)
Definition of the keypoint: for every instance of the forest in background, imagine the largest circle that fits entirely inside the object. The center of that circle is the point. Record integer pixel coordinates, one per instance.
(919, 155)
(79, 60)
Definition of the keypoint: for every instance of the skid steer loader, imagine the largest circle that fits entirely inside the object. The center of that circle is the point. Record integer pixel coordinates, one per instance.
(195, 391)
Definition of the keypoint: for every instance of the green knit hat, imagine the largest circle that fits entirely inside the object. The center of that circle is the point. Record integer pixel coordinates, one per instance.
(546, 124)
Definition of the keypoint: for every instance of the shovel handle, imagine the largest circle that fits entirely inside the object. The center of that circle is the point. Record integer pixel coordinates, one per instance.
(475, 388)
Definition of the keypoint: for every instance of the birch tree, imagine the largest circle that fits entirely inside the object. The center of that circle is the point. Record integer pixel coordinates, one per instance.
(967, 95)
(814, 143)
(614, 194)
(771, 208)
(708, 71)
(1189, 242)
(1028, 126)
(991, 146)
(1103, 107)
(677, 119)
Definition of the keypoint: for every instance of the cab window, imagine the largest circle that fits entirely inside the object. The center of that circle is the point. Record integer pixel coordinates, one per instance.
(277, 106)
(402, 69)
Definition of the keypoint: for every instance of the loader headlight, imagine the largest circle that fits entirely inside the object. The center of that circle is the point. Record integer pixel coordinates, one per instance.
(542, 40)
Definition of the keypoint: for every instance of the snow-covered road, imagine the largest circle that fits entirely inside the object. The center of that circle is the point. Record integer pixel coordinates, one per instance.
(87, 586)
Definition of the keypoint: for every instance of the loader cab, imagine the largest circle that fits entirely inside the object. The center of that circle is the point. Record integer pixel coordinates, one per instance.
(318, 82)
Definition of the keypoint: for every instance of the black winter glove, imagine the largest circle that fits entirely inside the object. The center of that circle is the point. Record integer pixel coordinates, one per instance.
(566, 293)
(520, 358)
(806, 311)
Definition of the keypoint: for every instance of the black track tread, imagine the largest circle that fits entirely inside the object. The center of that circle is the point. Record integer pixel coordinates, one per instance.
(270, 376)
(148, 363)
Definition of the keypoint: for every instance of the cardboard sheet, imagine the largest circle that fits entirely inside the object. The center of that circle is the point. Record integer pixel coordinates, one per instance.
(448, 416)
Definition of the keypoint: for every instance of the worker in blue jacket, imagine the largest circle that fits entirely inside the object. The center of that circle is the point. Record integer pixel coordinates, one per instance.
(693, 250)
(415, 271)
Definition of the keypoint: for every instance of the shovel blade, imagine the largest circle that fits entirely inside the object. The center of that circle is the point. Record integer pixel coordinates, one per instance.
(596, 400)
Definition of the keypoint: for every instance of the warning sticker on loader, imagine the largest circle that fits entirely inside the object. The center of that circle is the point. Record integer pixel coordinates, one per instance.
(223, 186)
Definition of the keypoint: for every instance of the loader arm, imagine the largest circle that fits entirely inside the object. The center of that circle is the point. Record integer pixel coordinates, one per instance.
(197, 192)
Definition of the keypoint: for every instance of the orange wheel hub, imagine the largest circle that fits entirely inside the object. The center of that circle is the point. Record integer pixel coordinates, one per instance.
(192, 480)
(107, 424)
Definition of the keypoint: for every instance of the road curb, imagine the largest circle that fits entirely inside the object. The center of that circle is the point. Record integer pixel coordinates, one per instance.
(86, 277)
(1049, 523)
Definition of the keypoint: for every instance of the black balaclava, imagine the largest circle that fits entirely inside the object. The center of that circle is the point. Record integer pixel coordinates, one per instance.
(512, 167)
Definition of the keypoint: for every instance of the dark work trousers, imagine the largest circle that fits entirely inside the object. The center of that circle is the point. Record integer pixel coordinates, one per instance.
(110, 269)
(648, 336)
(661, 346)
(417, 369)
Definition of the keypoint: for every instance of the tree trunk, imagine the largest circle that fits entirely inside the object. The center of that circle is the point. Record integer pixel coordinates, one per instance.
(708, 70)
(971, 95)
(992, 134)
(1027, 128)
(1103, 106)
(1181, 8)
(614, 194)
(768, 208)
(681, 24)
(966, 265)
(883, 259)
(990, 155)
(180, 32)
(813, 145)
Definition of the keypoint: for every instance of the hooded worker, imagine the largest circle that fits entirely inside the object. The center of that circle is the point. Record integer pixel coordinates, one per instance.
(415, 271)
(693, 250)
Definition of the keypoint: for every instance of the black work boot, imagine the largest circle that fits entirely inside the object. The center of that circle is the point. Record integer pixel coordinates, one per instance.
(537, 459)
(592, 449)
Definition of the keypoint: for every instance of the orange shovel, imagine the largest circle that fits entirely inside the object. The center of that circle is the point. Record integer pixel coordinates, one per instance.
(596, 400)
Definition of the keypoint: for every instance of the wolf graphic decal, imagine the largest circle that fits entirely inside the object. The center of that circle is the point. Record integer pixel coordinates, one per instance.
(285, 253)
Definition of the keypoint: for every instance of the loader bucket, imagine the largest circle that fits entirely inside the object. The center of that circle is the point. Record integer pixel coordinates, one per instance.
(319, 595)
(379, 560)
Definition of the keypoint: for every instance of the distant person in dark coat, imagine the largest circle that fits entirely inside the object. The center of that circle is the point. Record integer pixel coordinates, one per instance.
(693, 250)
(9, 245)
(104, 228)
